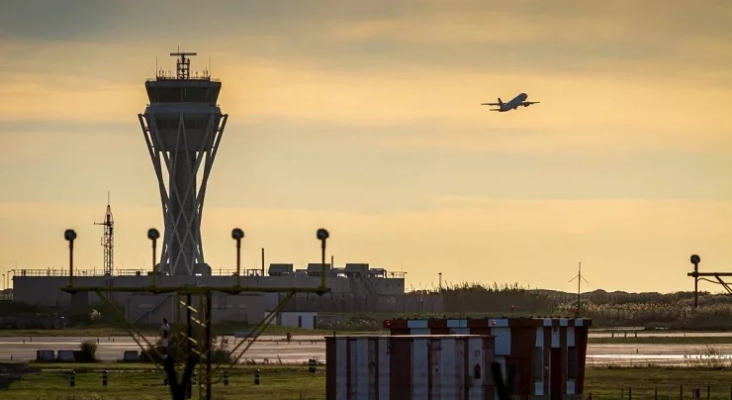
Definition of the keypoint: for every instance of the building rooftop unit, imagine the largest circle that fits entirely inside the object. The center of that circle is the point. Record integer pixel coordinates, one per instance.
(349, 270)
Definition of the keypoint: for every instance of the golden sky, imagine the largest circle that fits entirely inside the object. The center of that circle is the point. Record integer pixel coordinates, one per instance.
(364, 118)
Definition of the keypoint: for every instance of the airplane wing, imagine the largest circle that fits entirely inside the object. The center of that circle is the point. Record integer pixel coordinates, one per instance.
(528, 103)
(490, 104)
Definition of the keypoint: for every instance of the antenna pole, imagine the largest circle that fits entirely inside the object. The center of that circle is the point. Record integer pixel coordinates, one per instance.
(183, 64)
(579, 278)
(579, 288)
(108, 238)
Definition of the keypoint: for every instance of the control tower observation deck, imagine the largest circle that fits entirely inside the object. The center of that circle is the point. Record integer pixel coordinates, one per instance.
(183, 127)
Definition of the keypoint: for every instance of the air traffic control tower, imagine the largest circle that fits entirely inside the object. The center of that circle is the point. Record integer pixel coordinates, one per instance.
(182, 126)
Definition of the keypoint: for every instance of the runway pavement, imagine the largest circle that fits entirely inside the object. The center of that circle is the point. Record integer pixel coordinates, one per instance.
(301, 348)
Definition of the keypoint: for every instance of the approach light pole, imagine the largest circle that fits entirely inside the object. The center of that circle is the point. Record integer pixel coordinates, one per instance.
(695, 259)
(153, 235)
(322, 235)
(238, 234)
(70, 236)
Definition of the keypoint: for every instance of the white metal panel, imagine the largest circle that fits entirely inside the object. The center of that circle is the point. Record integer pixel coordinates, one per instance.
(563, 322)
(417, 323)
(420, 331)
(361, 383)
(547, 322)
(457, 323)
(578, 322)
(439, 365)
(373, 387)
(420, 368)
(499, 323)
(570, 337)
(538, 388)
(539, 337)
(570, 386)
(342, 370)
(444, 371)
(503, 341)
(459, 331)
(555, 337)
(476, 358)
(384, 369)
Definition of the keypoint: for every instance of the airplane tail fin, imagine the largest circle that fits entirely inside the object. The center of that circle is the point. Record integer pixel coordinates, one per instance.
(500, 102)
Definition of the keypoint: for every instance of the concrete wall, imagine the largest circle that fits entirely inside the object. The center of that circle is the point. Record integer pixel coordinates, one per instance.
(306, 320)
(366, 303)
(151, 309)
(46, 290)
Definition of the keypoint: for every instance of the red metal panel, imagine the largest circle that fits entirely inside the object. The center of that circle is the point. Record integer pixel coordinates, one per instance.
(523, 343)
(580, 342)
(426, 366)
(547, 357)
(489, 387)
(400, 368)
(563, 355)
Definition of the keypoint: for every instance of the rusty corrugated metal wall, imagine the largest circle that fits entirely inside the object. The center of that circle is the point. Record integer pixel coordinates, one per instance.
(421, 367)
(549, 354)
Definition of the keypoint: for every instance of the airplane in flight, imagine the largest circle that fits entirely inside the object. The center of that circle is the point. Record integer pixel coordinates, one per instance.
(513, 104)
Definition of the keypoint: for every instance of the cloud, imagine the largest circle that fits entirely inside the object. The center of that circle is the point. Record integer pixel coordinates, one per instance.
(616, 39)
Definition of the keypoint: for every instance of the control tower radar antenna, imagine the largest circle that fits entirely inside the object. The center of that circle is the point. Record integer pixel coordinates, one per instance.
(183, 64)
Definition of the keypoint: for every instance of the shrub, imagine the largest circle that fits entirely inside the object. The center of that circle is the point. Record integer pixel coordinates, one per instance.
(178, 348)
(87, 351)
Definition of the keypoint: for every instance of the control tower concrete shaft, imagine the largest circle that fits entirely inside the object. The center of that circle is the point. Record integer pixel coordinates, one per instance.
(183, 127)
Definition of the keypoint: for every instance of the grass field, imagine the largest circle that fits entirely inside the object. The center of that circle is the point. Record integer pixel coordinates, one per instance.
(140, 382)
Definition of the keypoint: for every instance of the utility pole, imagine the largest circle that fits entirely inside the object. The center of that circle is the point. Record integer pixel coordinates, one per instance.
(579, 278)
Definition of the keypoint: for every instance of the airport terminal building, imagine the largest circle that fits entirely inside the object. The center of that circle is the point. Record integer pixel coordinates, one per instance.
(349, 285)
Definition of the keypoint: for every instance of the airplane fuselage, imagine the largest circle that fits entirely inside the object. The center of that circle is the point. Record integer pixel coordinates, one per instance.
(516, 102)
(513, 103)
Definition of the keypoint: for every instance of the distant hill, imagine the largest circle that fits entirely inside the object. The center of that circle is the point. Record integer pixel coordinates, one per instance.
(617, 308)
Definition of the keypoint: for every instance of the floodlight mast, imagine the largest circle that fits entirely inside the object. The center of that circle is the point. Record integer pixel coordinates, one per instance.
(70, 236)
(183, 127)
(702, 276)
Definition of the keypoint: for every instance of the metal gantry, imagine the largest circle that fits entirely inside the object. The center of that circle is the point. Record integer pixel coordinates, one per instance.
(703, 276)
(199, 346)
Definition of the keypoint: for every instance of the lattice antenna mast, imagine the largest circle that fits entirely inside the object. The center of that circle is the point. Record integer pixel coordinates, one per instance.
(108, 239)
(183, 64)
(579, 278)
